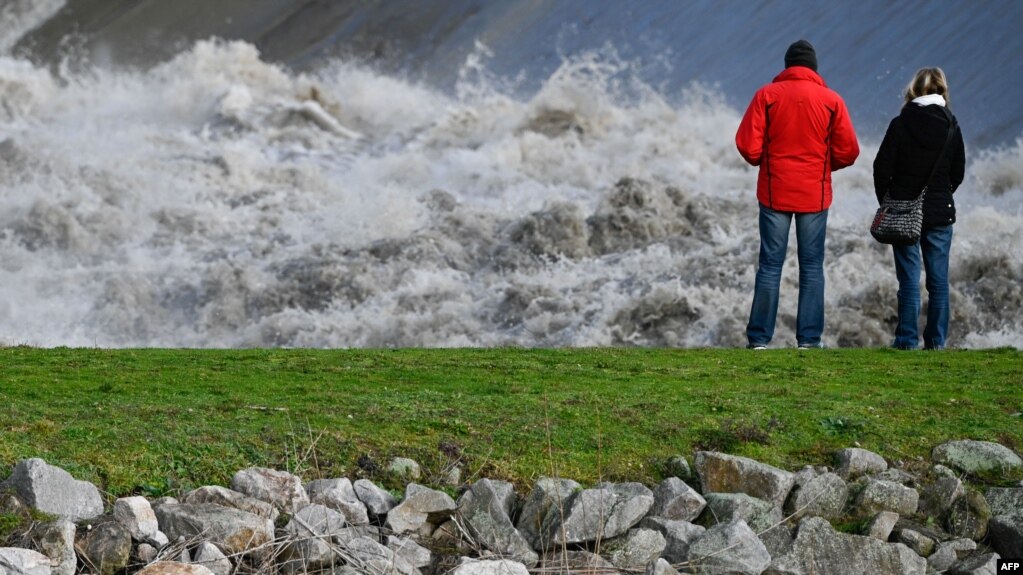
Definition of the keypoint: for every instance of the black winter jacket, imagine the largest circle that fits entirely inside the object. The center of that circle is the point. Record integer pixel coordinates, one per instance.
(910, 147)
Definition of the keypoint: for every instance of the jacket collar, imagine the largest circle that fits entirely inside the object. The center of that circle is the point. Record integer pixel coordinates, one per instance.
(929, 99)
(799, 73)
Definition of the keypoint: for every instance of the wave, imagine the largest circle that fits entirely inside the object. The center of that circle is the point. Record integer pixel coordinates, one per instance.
(220, 200)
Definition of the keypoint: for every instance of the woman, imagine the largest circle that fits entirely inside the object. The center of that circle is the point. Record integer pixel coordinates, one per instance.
(908, 154)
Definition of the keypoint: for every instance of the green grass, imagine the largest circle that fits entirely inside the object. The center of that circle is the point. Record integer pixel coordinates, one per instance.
(161, 421)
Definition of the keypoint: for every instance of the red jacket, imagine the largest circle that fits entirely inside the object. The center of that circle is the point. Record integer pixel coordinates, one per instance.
(798, 131)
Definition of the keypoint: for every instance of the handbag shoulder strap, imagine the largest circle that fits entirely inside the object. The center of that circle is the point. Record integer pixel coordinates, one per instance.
(944, 148)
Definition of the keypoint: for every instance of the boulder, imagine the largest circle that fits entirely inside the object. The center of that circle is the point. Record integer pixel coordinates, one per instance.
(316, 520)
(728, 548)
(984, 564)
(660, 567)
(982, 459)
(878, 495)
(759, 515)
(339, 494)
(210, 557)
(491, 567)
(937, 495)
(854, 462)
(678, 466)
(822, 495)
(56, 540)
(1004, 500)
(880, 527)
(368, 556)
(405, 468)
(919, 543)
(968, 517)
(420, 506)
(225, 497)
(818, 548)
(948, 553)
(548, 493)
(678, 535)
(17, 561)
(107, 548)
(1006, 534)
(233, 530)
(674, 499)
(635, 549)
(279, 488)
(574, 562)
(377, 501)
(484, 510)
(136, 515)
(721, 473)
(312, 529)
(174, 568)
(52, 490)
(597, 514)
(416, 554)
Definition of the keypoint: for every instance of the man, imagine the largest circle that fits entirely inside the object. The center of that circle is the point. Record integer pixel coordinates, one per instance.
(798, 131)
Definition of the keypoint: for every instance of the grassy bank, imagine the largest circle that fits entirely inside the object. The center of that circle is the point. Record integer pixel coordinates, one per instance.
(158, 421)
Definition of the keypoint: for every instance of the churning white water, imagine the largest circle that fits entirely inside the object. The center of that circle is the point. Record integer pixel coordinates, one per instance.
(218, 200)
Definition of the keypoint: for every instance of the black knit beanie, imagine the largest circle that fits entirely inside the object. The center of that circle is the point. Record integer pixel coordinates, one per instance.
(801, 53)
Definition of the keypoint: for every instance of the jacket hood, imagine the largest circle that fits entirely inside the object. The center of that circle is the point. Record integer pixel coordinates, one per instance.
(927, 125)
(799, 73)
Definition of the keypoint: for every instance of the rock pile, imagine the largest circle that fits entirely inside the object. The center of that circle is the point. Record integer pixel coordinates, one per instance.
(724, 515)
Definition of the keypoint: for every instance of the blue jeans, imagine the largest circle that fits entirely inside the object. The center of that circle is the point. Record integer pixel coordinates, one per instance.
(774, 239)
(935, 244)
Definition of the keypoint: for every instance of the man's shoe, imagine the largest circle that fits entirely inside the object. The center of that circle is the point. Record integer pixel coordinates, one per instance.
(811, 346)
(756, 346)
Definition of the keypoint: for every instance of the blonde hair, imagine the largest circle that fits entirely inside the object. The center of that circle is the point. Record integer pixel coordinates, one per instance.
(927, 81)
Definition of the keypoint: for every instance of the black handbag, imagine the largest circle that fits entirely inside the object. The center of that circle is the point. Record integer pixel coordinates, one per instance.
(899, 222)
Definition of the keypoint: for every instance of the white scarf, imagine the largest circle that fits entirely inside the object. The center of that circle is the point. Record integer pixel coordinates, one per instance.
(930, 99)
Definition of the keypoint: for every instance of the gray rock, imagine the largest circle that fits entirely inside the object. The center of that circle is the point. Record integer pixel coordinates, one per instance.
(968, 517)
(678, 535)
(942, 559)
(985, 564)
(491, 567)
(674, 499)
(823, 495)
(547, 494)
(316, 520)
(678, 466)
(16, 561)
(597, 514)
(158, 539)
(307, 554)
(225, 497)
(881, 525)
(279, 488)
(377, 501)
(368, 556)
(107, 548)
(339, 494)
(416, 554)
(919, 543)
(635, 549)
(962, 547)
(233, 530)
(660, 567)
(721, 473)
(173, 568)
(420, 506)
(146, 553)
(56, 540)
(1006, 534)
(818, 548)
(936, 496)
(1004, 500)
(896, 475)
(855, 462)
(136, 515)
(979, 458)
(405, 468)
(484, 510)
(878, 495)
(210, 557)
(778, 540)
(52, 490)
(759, 515)
(728, 549)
